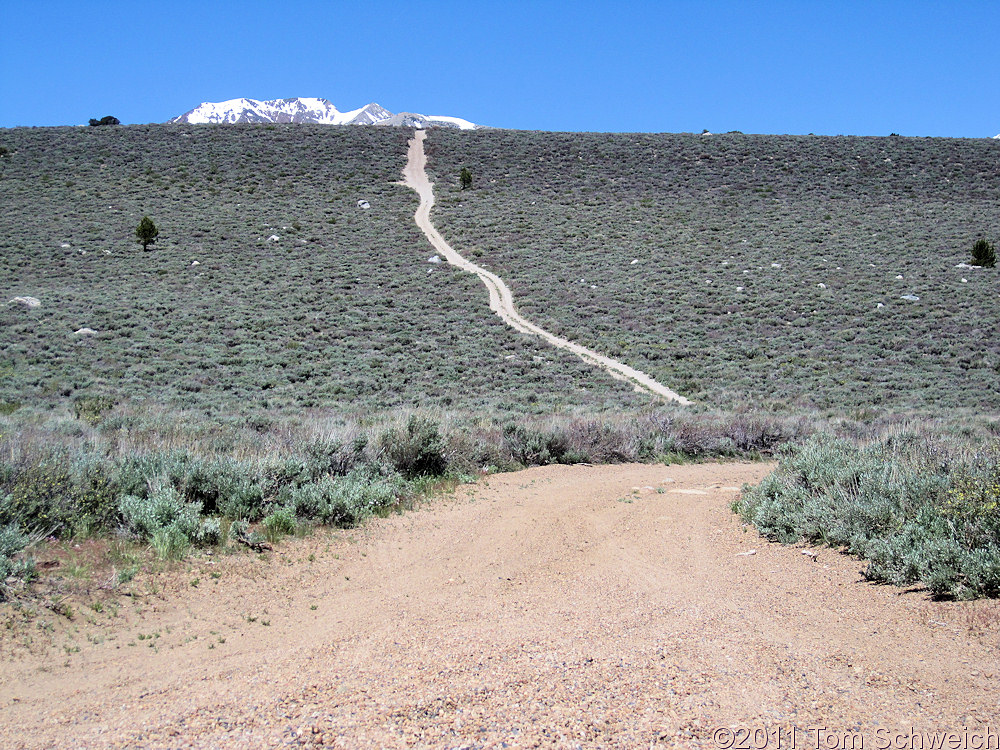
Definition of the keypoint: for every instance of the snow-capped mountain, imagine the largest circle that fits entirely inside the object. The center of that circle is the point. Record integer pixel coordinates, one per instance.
(312, 111)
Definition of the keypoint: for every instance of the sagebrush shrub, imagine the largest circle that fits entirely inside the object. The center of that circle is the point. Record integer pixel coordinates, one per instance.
(238, 529)
(417, 451)
(914, 512)
(163, 508)
(533, 447)
(12, 542)
(344, 501)
(223, 485)
(330, 457)
(209, 532)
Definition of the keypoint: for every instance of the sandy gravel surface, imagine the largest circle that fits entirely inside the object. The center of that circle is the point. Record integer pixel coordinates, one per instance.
(501, 299)
(610, 606)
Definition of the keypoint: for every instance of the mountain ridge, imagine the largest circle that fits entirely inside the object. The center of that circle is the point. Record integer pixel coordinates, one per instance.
(310, 110)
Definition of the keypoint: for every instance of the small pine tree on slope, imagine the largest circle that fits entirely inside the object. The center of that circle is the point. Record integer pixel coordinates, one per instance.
(146, 232)
(983, 254)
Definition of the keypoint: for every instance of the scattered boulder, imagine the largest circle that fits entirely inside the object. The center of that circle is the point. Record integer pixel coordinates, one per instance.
(30, 302)
(85, 332)
(434, 259)
(364, 204)
(910, 297)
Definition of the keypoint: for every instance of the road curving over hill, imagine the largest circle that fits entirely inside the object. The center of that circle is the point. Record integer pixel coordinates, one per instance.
(501, 299)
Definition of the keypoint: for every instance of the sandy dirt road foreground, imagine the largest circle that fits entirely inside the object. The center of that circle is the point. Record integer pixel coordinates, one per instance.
(611, 606)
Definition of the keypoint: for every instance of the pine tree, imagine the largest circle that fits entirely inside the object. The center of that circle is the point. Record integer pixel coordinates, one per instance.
(146, 232)
(106, 120)
(466, 178)
(983, 254)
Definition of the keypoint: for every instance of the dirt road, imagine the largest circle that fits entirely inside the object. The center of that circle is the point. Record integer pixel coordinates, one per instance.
(501, 299)
(612, 606)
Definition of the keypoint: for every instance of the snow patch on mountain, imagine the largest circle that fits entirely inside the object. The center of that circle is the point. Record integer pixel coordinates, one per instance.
(309, 110)
(456, 122)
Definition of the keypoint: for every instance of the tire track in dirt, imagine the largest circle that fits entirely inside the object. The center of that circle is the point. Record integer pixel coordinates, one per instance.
(501, 299)
(597, 607)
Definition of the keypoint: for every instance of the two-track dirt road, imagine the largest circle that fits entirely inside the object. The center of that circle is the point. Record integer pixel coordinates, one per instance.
(501, 299)
(610, 606)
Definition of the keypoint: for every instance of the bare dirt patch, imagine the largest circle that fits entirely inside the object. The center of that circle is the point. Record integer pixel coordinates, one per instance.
(593, 606)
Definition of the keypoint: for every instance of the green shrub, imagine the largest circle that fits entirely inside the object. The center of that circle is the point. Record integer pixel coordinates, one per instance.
(913, 510)
(244, 498)
(12, 543)
(419, 451)
(41, 495)
(209, 532)
(344, 501)
(984, 254)
(9, 407)
(279, 523)
(164, 508)
(237, 529)
(309, 500)
(973, 504)
(535, 448)
(223, 485)
(95, 496)
(90, 409)
(329, 457)
(170, 543)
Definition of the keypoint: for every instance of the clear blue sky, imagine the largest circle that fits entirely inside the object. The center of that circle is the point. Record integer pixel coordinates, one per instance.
(860, 68)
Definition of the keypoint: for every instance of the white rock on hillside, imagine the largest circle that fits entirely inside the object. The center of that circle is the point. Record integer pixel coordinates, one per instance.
(29, 302)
